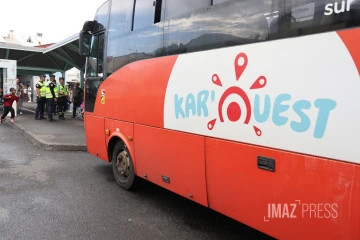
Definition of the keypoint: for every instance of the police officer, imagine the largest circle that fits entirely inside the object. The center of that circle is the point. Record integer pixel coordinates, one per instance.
(62, 100)
(51, 98)
(52, 79)
(41, 98)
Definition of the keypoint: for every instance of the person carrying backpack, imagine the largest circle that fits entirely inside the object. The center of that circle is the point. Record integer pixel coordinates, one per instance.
(8, 101)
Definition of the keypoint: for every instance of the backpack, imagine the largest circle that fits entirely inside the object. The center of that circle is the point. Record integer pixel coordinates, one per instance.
(4, 100)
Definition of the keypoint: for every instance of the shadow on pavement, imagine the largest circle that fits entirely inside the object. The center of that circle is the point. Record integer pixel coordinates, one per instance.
(185, 211)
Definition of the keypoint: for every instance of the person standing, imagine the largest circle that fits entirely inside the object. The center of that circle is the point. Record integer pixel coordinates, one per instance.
(78, 94)
(21, 96)
(21, 100)
(9, 99)
(62, 100)
(53, 80)
(55, 105)
(41, 98)
(51, 98)
(70, 90)
(25, 91)
(29, 93)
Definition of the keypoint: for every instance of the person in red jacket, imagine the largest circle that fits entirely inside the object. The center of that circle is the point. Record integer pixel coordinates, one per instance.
(8, 101)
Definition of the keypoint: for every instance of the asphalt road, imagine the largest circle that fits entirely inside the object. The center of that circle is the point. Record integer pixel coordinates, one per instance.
(72, 195)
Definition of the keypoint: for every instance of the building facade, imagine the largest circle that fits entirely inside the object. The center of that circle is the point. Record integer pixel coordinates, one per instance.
(23, 39)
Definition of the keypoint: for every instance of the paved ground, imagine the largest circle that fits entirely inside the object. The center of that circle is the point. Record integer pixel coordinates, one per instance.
(71, 195)
(68, 134)
(32, 107)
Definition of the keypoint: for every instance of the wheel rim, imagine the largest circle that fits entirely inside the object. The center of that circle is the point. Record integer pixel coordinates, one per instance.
(123, 166)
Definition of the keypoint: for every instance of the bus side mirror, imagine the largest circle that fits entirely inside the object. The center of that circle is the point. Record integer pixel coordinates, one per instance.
(89, 26)
(84, 43)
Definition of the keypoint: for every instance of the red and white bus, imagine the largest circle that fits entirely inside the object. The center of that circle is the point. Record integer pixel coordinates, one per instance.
(248, 107)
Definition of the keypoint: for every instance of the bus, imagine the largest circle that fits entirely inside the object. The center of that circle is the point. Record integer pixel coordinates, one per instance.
(247, 107)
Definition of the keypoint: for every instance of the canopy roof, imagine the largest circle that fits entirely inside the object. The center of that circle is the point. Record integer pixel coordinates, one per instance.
(58, 57)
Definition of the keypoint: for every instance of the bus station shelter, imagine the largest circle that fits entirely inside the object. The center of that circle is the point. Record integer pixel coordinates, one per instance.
(46, 59)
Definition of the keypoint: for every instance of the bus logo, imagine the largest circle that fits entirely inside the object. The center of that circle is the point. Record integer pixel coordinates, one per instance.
(234, 110)
(279, 109)
(102, 97)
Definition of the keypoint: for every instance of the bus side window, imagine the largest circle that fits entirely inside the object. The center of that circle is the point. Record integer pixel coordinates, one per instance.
(93, 59)
(96, 59)
(102, 17)
(316, 16)
(194, 26)
(182, 20)
(120, 24)
(100, 70)
(145, 13)
(133, 23)
(176, 8)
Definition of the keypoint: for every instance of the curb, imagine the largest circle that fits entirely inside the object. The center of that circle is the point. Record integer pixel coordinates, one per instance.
(45, 146)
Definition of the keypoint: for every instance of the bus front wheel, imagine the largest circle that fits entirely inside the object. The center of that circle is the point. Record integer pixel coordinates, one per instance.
(123, 167)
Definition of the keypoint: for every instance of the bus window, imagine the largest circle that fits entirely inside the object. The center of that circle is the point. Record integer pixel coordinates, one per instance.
(144, 14)
(125, 46)
(120, 17)
(93, 59)
(94, 71)
(101, 17)
(96, 59)
(231, 23)
(316, 16)
(176, 8)
(119, 25)
(100, 64)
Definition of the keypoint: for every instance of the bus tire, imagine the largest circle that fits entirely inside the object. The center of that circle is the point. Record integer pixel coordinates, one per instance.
(123, 167)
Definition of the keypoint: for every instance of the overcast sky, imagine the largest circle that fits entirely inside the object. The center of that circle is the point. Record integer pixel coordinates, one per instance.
(56, 19)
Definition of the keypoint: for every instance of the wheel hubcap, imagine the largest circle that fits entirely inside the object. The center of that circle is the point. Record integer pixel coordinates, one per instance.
(123, 165)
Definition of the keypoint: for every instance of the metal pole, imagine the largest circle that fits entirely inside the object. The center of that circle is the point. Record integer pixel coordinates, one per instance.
(82, 79)
(83, 73)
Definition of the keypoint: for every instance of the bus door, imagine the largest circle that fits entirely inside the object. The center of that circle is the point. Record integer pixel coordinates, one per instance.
(95, 135)
(94, 71)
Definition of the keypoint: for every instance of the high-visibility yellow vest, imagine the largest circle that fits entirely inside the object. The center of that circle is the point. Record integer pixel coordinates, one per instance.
(63, 90)
(42, 89)
(48, 91)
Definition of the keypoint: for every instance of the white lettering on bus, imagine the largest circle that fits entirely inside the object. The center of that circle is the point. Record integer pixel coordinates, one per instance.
(334, 7)
(281, 210)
